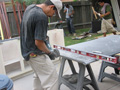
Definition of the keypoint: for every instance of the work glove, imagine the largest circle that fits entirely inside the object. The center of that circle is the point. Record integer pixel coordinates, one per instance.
(54, 54)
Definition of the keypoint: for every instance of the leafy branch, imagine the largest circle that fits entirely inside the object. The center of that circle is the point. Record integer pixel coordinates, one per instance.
(28, 2)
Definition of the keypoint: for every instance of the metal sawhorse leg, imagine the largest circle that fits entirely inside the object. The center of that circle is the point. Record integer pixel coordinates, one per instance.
(103, 74)
(82, 81)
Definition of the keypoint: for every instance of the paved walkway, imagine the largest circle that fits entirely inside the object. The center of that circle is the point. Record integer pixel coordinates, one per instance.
(26, 82)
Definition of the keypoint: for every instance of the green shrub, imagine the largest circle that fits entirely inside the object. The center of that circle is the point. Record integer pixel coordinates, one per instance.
(28, 2)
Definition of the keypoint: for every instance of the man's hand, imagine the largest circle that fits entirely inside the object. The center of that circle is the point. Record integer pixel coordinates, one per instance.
(65, 10)
(102, 15)
(54, 54)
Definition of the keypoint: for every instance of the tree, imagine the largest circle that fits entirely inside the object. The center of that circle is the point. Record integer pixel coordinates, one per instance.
(28, 2)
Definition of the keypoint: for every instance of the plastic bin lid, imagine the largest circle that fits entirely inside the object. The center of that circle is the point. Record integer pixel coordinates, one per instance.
(4, 80)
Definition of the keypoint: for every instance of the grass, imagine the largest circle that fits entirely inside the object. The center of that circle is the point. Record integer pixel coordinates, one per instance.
(69, 41)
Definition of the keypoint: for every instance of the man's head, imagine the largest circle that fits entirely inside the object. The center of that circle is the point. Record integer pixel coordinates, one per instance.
(101, 3)
(52, 7)
(67, 6)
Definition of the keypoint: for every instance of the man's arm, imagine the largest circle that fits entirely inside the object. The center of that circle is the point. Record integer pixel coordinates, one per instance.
(52, 54)
(71, 7)
(71, 13)
(41, 45)
(108, 11)
(65, 9)
(103, 15)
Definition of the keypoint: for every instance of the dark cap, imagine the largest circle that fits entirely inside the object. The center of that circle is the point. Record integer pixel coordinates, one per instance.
(100, 1)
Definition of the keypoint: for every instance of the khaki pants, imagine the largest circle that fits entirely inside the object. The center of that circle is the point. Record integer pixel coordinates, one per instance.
(107, 26)
(45, 77)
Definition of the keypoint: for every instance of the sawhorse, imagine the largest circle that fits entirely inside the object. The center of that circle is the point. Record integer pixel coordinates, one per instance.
(81, 81)
(103, 74)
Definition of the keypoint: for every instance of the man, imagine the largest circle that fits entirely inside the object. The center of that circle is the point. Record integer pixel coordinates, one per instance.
(106, 13)
(34, 46)
(68, 9)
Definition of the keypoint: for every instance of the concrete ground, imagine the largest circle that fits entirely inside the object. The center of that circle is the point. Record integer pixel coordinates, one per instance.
(26, 82)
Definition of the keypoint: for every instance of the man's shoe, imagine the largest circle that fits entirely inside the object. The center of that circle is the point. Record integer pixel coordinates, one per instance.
(69, 34)
(99, 32)
(74, 34)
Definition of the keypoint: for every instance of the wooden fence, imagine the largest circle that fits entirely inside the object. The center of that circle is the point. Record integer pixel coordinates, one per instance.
(82, 17)
(83, 14)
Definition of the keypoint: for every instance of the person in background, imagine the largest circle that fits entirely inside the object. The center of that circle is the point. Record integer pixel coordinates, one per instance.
(34, 43)
(106, 14)
(68, 9)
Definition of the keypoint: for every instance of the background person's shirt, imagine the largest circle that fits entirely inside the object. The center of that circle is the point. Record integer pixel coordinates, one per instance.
(69, 11)
(107, 9)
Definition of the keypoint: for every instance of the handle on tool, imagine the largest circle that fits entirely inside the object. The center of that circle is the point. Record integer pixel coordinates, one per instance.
(94, 12)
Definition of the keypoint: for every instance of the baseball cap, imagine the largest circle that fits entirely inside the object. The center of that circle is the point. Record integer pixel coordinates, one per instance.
(100, 1)
(58, 5)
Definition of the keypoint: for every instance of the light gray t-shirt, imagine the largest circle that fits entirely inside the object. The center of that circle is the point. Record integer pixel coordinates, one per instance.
(69, 10)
